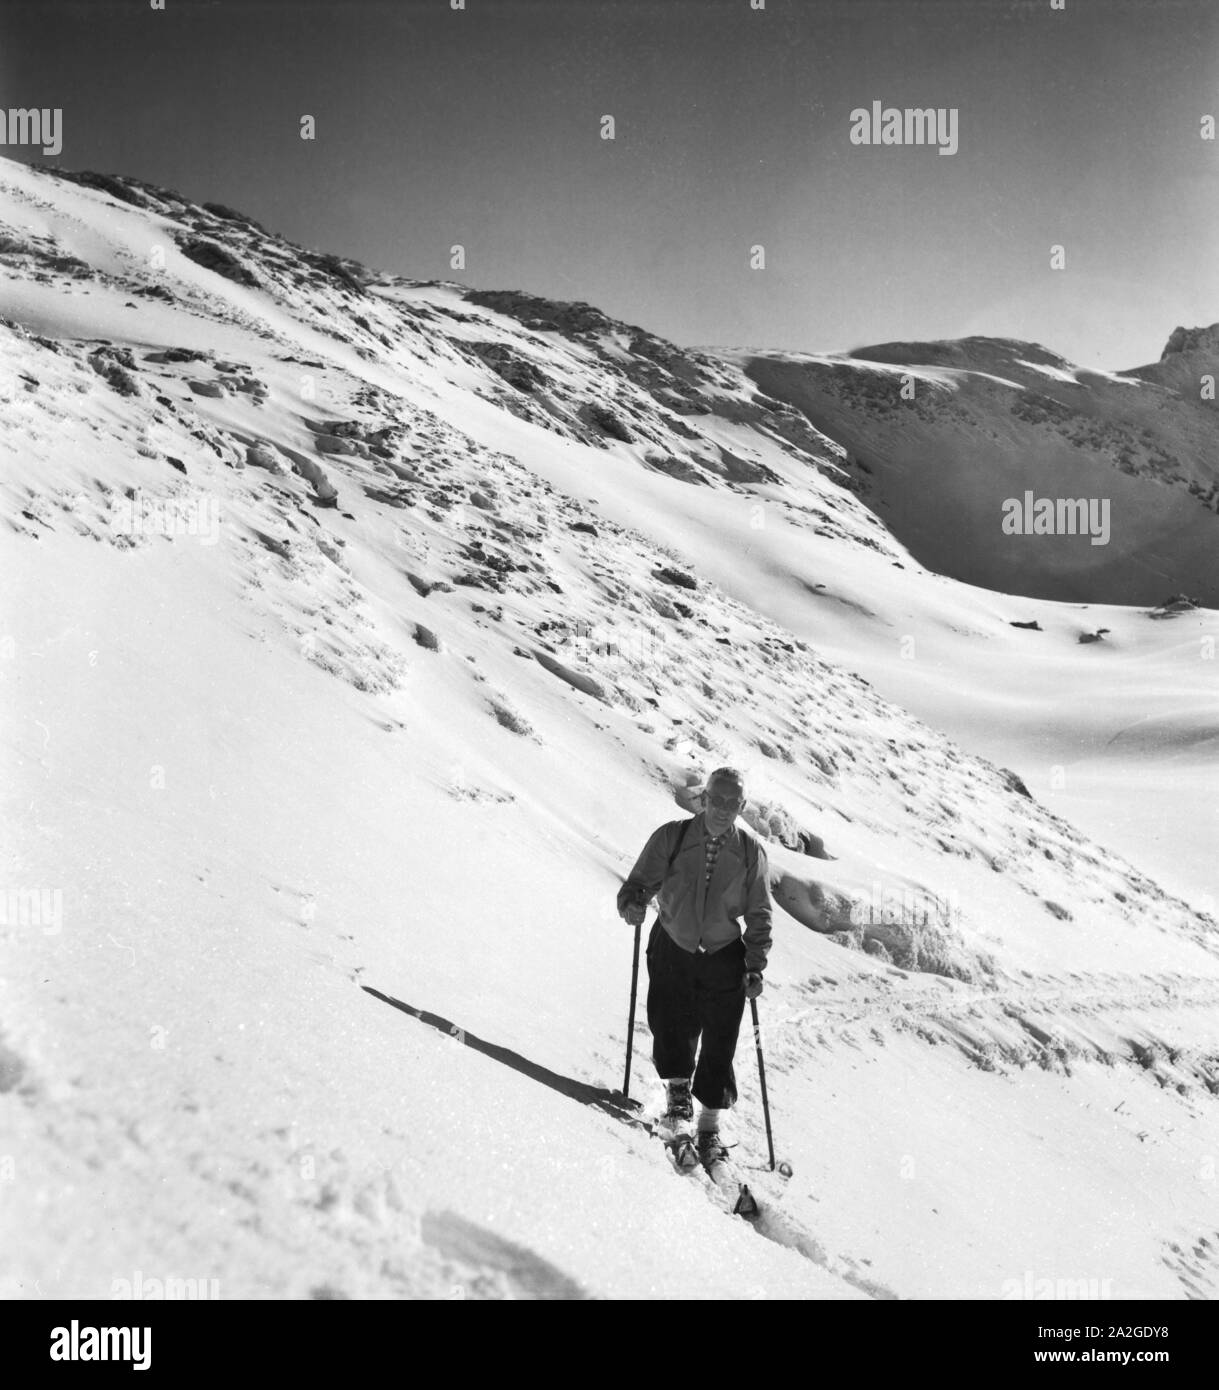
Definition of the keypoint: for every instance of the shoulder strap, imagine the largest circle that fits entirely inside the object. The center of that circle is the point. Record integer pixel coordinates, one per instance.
(751, 855)
(681, 840)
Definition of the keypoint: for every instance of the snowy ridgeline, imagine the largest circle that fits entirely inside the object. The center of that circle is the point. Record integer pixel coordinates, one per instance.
(366, 629)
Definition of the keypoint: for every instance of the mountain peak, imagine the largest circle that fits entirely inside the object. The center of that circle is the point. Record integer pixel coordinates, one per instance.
(1191, 339)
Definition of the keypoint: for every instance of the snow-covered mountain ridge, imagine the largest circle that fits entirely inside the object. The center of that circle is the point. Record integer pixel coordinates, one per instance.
(939, 435)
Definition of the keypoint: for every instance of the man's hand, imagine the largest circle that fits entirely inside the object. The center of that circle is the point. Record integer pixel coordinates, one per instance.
(634, 913)
(753, 984)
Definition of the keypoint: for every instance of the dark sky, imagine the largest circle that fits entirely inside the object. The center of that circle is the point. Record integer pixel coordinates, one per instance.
(1079, 127)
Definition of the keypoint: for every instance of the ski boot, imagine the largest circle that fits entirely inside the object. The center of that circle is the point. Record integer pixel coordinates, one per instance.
(713, 1155)
(674, 1125)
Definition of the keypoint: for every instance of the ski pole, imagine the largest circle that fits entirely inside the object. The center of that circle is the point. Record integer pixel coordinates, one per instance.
(757, 1037)
(630, 1026)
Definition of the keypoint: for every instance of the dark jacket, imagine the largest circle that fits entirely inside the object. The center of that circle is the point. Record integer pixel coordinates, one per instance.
(693, 911)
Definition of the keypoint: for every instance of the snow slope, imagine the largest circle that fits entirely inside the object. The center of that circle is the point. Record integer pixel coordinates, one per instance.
(344, 679)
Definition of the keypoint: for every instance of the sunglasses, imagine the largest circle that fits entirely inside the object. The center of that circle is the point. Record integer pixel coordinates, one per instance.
(722, 803)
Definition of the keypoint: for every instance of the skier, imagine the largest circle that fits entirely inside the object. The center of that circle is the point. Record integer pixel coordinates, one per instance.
(708, 873)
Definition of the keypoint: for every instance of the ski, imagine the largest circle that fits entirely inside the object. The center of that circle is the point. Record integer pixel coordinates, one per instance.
(747, 1204)
(682, 1153)
(727, 1192)
(727, 1183)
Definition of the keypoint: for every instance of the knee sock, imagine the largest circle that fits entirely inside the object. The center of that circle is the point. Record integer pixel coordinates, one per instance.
(708, 1120)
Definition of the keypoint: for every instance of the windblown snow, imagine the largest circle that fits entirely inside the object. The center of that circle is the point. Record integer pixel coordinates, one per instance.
(358, 630)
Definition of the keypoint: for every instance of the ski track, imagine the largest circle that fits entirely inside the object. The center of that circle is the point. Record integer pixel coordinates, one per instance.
(771, 1223)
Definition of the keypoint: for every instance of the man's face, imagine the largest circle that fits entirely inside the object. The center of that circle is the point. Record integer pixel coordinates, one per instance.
(722, 802)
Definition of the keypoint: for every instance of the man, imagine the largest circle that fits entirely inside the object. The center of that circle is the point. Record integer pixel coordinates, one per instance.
(708, 874)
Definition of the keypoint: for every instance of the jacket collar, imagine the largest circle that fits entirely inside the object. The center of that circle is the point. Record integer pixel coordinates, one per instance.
(732, 837)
